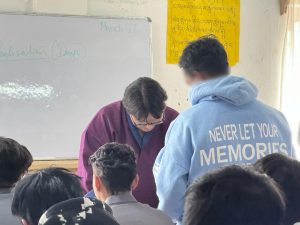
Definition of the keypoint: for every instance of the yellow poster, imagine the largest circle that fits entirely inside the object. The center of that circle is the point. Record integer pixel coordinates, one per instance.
(190, 19)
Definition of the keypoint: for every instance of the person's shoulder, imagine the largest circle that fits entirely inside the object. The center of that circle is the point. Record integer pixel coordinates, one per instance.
(141, 212)
(6, 194)
(111, 112)
(171, 111)
(170, 114)
(5, 211)
(189, 113)
(272, 112)
(160, 216)
(111, 108)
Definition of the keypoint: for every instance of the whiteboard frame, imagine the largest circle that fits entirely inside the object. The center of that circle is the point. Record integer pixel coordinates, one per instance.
(147, 19)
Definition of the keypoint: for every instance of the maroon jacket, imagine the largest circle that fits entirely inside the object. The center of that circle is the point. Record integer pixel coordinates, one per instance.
(111, 125)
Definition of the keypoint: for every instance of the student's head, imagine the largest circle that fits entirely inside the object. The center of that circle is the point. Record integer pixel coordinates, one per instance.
(36, 192)
(204, 59)
(286, 172)
(114, 169)
(78, 211)
(234, 195)
(144, 100)
(15, 160)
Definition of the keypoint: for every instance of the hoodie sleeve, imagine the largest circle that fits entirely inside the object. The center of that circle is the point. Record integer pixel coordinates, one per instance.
(171, 170)
(95, 135)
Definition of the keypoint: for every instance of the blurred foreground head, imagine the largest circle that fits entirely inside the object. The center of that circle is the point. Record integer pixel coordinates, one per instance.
(234, 195)
(286, 172)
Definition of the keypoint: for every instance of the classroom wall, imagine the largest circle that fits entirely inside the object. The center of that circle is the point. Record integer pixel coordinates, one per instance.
(260, 42)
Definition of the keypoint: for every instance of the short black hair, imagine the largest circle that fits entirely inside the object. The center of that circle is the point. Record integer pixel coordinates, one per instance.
(286, 172)
(234, 195)
(143, 97)
(115, 165)
(15, 159)
(36, 192)
(206, 54)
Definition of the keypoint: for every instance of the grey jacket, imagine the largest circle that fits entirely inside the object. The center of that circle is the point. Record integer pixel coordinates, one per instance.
(128, 211)
(5, 208)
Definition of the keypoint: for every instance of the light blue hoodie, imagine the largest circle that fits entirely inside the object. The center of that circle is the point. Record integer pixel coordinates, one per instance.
(225, 125)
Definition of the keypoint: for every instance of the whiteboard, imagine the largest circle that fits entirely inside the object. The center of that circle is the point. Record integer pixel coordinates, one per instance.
(56, 72)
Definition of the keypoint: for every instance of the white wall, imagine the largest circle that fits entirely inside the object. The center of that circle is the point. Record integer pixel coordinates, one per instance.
(260, 42)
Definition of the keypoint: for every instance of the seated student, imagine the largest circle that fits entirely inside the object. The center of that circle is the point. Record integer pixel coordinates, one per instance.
(35, 193)
(15, 160)
(115, 176)
(78, 211)
(140, 120)
(226, 125)
(234, 196)
(286, 172)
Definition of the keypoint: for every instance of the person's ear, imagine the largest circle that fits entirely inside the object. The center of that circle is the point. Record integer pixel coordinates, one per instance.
(24, 222)
(97, 183)
(135, 182)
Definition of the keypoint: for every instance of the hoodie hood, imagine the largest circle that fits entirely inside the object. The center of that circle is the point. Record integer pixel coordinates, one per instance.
(235, 90)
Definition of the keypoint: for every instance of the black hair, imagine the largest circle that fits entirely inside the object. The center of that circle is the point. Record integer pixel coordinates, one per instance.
(286, 172)
(115, 165)
(15, 159)
(234, 195)
(143, 97)
(206, 54)
(36, 192)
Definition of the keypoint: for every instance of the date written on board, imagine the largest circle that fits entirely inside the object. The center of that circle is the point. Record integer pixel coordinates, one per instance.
(117, 28)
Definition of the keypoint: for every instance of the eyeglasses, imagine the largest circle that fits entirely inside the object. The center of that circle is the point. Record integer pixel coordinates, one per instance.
(144, 124)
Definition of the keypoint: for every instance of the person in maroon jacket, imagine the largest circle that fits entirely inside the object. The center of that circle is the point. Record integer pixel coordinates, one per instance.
(140, 120)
